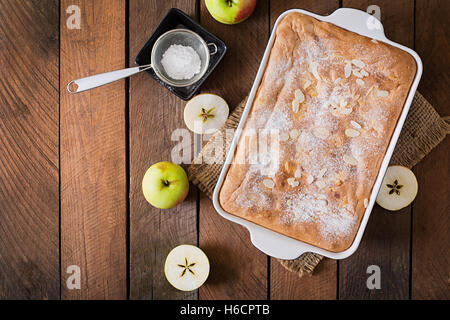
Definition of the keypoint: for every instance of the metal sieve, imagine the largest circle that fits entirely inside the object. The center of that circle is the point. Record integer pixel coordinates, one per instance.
(183, 37)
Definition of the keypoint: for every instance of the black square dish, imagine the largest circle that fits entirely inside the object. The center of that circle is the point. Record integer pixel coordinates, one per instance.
(176, 19)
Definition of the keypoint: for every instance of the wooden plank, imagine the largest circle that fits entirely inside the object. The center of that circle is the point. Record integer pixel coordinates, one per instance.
(431, 237)
(284, 284)
(29, 168)
(321, 285)
(386, 241)
(238, 269)
(93, 173)
(154, 114)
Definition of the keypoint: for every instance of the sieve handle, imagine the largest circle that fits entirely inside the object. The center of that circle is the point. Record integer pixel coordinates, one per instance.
(214, 46)
(83, 84)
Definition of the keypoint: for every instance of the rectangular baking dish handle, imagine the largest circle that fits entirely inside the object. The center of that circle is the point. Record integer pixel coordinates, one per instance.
(275, 245)
(358, 21)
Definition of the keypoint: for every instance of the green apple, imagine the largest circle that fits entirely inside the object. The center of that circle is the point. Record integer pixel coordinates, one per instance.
(165, 185)
(230, 11)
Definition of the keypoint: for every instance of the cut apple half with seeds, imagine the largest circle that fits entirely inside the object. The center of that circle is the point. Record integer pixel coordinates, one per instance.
(186, 267)
(399, 188)
(205, 113)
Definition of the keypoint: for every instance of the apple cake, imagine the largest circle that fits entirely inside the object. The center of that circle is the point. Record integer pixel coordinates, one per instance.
(326, 107)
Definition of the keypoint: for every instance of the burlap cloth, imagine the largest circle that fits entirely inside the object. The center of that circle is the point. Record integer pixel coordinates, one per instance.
(423, 130)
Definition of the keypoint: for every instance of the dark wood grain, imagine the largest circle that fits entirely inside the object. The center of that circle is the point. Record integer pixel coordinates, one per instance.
(93, 173)
(93, 128)
(431, 237)
(29, 183)
(284, 284)
(154, 114)
(386, 240)
(238, 270)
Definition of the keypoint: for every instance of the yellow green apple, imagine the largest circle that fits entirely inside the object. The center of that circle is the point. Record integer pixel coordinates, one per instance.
(165, 184)
(230, 11)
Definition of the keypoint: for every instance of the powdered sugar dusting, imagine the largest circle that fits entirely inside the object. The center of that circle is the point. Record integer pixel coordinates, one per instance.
(254, 197)
(304, 208)
(327, 141)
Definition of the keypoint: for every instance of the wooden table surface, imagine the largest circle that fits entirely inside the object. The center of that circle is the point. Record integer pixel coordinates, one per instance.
(71, 165)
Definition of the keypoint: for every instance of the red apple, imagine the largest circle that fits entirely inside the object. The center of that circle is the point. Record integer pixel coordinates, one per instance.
(230, 11)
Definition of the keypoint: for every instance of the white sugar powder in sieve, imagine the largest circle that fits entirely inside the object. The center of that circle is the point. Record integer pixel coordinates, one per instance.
(181, 62)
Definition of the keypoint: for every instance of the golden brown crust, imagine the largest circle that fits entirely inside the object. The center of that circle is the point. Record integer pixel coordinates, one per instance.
(332, 147)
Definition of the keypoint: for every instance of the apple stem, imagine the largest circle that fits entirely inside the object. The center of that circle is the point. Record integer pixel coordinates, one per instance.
(230, 3)
(166, 182)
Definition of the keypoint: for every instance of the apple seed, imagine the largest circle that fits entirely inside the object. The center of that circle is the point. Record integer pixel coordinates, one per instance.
(206, 114)
(186, 267)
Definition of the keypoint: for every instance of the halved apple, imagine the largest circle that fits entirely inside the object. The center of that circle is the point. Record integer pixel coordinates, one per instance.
(399, 188)
(186, 267)
(205, 113)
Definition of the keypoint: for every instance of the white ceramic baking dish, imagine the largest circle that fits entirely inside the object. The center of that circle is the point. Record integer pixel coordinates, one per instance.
(278, 245)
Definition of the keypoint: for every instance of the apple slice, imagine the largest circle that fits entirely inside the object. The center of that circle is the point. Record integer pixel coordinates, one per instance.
(205, 113)
(398, 189)
(186, 267)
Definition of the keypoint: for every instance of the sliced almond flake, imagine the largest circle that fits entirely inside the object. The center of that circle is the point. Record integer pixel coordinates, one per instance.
(333, 104)
(294, 133)
(320, 184)
(369, 91)
(349, 159)
(348, 70)
(352, 133)
(321, 133)
(307, 84)
(358, 63)
(289, 202)
(356, 73)
(284, 136)
(355, 124)
(360, 82)
(374, 41)
(299, 96)
(334, 110)
(297, 173)
(314, 71)
(295, 106)
(322, 173)
(337, 81)
(382, 93)
(366, 202)
(364, 73)
(335, 113)
(310, 179)
(346, 111)
(268, 183)
(342, 103)
(292, 182)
